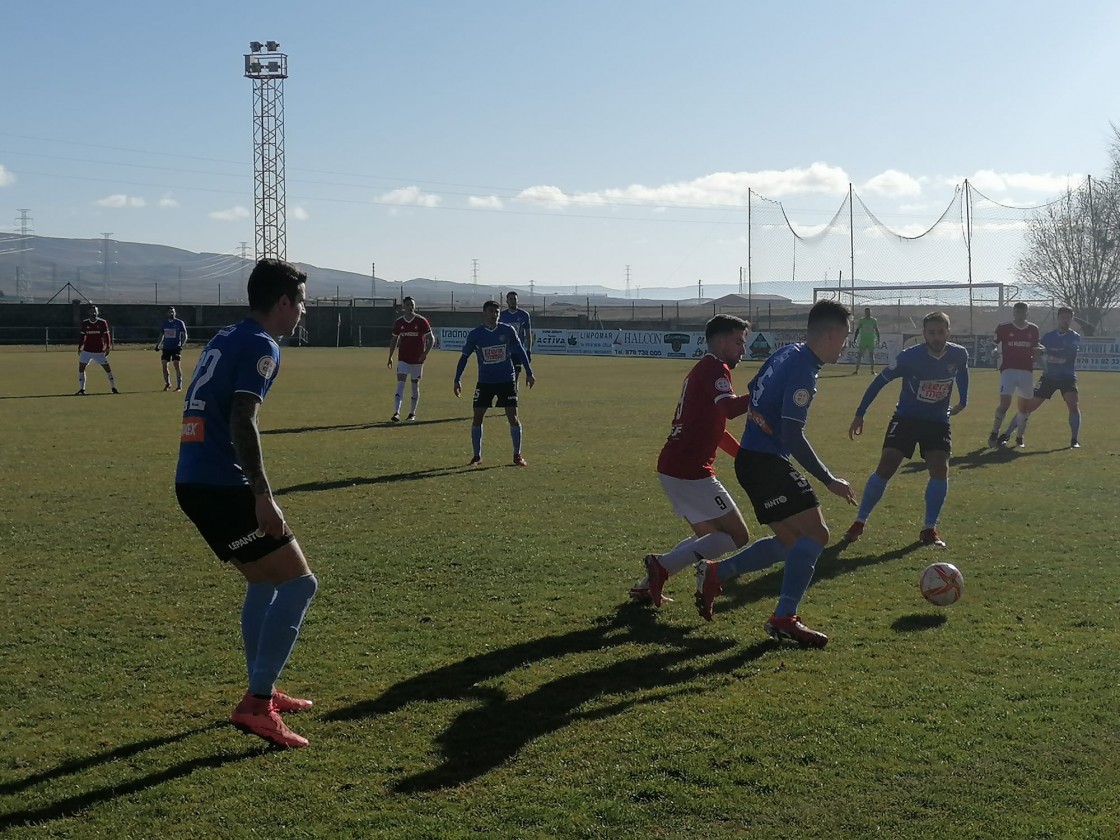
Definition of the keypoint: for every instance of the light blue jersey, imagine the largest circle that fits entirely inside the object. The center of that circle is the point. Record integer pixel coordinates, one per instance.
(520, 321)
(781, 393)
(172, 333)
(927, 382)
(496, 350)
(242, 358)
(1061, 354)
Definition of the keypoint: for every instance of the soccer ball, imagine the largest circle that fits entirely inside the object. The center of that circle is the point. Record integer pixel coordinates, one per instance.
(942, 584)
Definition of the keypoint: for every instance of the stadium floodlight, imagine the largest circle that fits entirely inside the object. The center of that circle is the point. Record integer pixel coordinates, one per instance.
(273, 46)
(255, 46)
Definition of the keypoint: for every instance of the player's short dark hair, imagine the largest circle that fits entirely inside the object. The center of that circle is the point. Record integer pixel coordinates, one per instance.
(940, 317)
(1065, 310)
(827, 314)
(407, 297)
(1020, 305)
(511, 292)
(721, 324)
(271, 280)
(491, 304)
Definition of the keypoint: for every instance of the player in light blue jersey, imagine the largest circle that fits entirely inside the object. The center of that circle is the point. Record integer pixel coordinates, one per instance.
(780, 396)
(921, 419)
(1059, 374)
(497, 348)
(221, 485)
(520, 321)
(172, 340)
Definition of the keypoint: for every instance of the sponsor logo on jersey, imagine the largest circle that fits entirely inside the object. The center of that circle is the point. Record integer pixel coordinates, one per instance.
(266, 367)
(194, 430)
(770, 503)
(241, 542)
(494, 353)
(801, 397)
(934, 390)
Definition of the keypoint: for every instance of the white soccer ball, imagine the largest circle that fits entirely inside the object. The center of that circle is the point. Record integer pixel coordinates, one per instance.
(942, 584)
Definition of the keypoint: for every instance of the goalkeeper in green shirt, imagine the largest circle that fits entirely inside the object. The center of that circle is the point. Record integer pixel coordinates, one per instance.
(867, 339)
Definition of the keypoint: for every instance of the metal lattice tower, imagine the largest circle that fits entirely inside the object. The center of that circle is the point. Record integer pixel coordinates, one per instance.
(23, 272)
(268, 67)
(106, 262)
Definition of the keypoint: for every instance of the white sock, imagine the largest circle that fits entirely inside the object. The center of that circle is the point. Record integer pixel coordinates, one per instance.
(686, 552)
(415, 397)
(398, 398)
(82, 381)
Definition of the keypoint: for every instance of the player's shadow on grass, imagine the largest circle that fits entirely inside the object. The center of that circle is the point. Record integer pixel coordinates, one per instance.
(918, 621)
(829, 565)
(343, 483)
(979, 458)
(78, 803)
(356, 427)
(498, 725)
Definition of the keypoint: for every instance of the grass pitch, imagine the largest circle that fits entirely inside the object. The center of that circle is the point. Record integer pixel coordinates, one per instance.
(476, 669)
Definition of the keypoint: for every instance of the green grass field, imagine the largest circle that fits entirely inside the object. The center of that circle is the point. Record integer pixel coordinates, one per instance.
(476, 669)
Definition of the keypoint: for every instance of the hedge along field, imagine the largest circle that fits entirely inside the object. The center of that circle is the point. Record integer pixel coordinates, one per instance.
(476, 667)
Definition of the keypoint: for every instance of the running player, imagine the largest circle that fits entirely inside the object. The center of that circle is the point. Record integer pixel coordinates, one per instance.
(413, 335)
(222, 487)
(172, 340)
(1017, 343)
(497, 348)
(921, 419)
(684, 467)
(520, 321)
(94, 344)
(1060, 374)
(867, 339)
(780, 396)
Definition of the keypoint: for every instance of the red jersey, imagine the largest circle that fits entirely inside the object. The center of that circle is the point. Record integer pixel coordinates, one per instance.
(410, 338)
(707, 401)
(1018, 345)
(95, 336)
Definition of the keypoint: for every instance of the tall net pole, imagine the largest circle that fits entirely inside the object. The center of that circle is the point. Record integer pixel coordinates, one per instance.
(268, 67)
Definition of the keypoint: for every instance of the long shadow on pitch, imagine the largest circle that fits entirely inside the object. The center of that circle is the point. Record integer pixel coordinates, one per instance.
(498, 726)
(355, 427)
(81, 802)
(343, 483)
(980, 458)
(918, 621)
(830, 564)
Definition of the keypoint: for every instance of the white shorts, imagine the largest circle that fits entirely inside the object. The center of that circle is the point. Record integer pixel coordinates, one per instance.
(411, 371)
(1012, 380)
(85, 357)
(697, 499)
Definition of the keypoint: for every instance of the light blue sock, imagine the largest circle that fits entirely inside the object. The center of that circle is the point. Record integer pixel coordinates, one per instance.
(759, 555)
(279, 632)
(800, 563)
(476, 440)
(258, 598)
(936, 491)
(1075, 425)
(873, 491)
(515, 434)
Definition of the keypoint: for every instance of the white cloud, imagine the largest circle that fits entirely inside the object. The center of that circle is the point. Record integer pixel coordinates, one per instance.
(717, 189)
(120, 200)
(893, 184)
(232, 214)
(168, 201)
(487, 202)
(410, 196)
(299, 214)
(7, 177)
(986, 180)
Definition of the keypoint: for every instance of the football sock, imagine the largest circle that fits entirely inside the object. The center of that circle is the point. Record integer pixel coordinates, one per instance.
(515, 435)
(415, 397)
(279, 631)
(82, 381)
(761, 554)
(873, 491)
(687, 552)
(476, 440)
(112, 379)
(1000, 414)
(166, 379)
(1075, 425)
(258, 598)
(398, 398)
(800, 563)
(936, 491)
(1021, 419)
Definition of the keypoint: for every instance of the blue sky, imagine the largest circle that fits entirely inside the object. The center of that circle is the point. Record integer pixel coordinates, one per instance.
(553, 142)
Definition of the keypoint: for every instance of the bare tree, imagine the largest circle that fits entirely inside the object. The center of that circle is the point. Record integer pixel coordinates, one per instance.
(1073, 247)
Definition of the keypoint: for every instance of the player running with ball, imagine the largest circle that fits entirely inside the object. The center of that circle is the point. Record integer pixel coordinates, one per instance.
(921, 419)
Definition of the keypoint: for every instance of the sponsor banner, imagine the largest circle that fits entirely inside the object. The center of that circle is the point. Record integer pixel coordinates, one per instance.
(1098, 354)
(451, 338)
(888, 346)
(661, 344)
(574, 342)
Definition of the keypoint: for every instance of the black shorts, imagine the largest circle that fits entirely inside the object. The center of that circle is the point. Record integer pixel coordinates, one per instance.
(227, 519)
(486, 392)
(172, 354)
(904, 433)
(775, 487)
(1046, 387)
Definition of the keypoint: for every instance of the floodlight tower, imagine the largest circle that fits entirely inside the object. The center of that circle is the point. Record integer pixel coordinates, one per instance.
(23, 271)
(268, 67)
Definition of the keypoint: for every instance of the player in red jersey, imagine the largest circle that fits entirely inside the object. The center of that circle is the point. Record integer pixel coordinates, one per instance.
(94, 345)
(412, 334)
(1017, 342)
(684, 467)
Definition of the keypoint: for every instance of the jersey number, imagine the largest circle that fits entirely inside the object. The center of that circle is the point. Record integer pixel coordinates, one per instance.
(203, 372)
